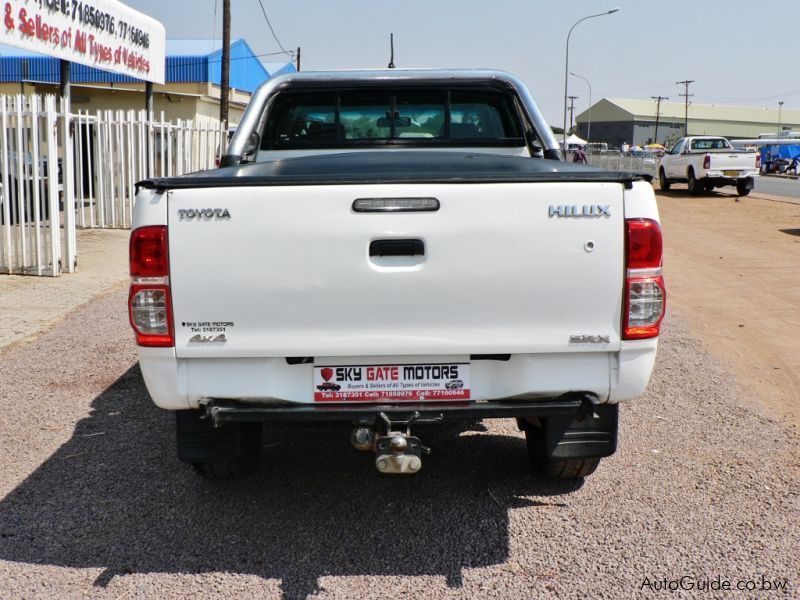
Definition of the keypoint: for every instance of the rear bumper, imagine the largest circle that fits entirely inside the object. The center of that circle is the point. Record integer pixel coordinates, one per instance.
(572, 426)
(227, 411)
(181, 384)
(719, 176)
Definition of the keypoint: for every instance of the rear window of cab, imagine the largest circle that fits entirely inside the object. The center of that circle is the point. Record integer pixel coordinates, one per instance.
(370, 117)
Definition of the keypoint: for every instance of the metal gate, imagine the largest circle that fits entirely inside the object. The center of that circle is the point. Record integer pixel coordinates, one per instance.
(50, 188)
(34, 226)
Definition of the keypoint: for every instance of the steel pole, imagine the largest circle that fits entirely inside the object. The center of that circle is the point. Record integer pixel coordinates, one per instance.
(224, 100)
(589, 126)
(566, 68)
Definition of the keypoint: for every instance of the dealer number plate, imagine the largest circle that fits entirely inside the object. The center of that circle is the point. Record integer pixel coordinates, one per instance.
(412, 382)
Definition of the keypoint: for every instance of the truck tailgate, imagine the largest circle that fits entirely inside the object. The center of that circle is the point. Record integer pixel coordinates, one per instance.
(733, 161)
(280, 271)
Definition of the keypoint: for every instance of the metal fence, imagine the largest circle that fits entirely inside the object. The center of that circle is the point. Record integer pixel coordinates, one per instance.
(131, 147)
(31, 174)
(50, 188)
(619, 161)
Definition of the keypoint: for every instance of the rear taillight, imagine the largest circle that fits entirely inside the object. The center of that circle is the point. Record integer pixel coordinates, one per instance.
(149, 300)
(645, 295)
(707, 161)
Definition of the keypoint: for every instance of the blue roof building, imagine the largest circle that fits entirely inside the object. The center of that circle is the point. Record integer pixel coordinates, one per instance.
(192, 77)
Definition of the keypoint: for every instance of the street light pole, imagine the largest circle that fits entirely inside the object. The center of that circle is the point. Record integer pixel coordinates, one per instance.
(566, 66)
(780, 118)
(589, 126)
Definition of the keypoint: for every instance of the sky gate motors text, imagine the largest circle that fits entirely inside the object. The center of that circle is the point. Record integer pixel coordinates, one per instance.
(393, 373)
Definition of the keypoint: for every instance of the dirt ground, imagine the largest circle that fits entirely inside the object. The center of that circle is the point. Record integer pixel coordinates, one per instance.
(733, 273)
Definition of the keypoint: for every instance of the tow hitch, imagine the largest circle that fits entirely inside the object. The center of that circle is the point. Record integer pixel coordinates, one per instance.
(397, 452)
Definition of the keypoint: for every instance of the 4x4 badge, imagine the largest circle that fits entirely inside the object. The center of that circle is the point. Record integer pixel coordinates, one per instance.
(208, 339)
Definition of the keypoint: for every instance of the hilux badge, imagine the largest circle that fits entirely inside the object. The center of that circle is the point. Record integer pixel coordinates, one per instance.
(587, 211)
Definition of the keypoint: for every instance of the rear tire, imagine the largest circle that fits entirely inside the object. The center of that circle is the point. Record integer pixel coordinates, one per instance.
(243, 464)
(663, 182)
(695, 186)
(571, 468)
(556, 468)
(742, 188)
(225, 452)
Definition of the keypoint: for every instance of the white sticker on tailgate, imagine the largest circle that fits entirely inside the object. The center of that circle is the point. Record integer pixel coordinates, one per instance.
(396, 383)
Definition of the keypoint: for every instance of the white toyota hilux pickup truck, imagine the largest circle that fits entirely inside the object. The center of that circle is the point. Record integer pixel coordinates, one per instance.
(393, 248)
(707, 162)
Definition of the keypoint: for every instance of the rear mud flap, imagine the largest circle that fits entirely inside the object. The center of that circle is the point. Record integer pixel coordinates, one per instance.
(200, 442)
(591, 432)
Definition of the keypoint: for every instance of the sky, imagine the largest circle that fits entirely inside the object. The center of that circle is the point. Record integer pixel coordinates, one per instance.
(738, 52)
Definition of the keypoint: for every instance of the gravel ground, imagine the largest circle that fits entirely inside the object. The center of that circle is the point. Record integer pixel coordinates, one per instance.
(93, 502)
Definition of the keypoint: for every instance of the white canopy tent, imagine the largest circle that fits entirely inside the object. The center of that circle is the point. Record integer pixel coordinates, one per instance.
(574, 140)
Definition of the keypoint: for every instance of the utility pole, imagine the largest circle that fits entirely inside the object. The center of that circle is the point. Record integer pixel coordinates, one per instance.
(686, 95)
(571, 110)
(780, 118)
(226, 64)
(298, 58)
(658, 100)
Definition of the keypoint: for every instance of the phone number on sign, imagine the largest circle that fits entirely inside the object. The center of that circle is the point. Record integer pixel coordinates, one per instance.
(461, 394)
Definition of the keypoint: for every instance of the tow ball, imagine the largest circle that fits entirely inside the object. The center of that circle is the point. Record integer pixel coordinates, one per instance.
(397, 452)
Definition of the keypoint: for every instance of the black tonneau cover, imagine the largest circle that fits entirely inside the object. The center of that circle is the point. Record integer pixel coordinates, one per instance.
(394, 166)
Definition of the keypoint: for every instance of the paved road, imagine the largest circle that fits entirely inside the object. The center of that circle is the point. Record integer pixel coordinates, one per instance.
(775, 186)
(94, 504)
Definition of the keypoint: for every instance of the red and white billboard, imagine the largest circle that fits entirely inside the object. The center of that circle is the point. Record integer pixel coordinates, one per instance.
(100, 33)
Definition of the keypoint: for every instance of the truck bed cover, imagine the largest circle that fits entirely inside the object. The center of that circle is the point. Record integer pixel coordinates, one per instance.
(394, 166)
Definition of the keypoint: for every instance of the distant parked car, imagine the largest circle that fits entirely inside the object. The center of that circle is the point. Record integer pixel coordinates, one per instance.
(596, 148)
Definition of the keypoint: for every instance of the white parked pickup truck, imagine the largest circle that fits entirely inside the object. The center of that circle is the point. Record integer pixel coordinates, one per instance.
(706, 162)
(394, 248)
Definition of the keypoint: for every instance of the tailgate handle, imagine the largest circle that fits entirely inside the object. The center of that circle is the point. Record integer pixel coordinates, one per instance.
(396, 247)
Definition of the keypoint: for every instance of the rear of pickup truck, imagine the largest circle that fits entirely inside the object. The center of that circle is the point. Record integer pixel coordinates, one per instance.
(706, 162)
(393, 249)
(464, 286)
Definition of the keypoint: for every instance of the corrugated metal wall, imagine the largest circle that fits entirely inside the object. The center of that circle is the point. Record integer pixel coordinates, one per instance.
(247, 72)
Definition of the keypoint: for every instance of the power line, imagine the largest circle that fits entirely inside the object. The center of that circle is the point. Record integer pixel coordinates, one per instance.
(643, 89)
(686, 95)
(658, 100)
(788, 94)
(203, 62)
(263, 10)
(571, 111)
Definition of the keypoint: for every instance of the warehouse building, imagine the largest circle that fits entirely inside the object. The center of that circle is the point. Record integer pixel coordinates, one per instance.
(617, 121)
(192, 82)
